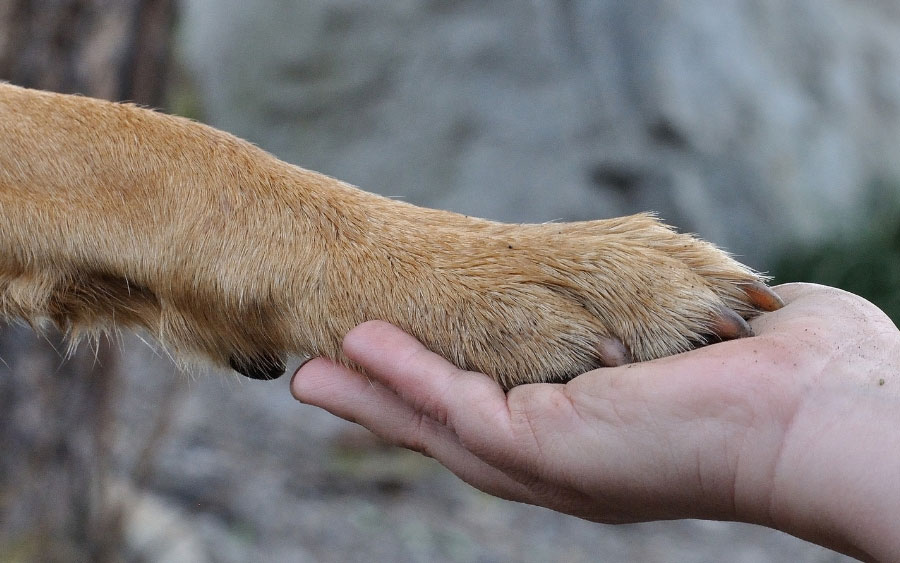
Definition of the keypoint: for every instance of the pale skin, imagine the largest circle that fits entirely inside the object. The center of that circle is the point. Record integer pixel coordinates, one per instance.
(795, 428)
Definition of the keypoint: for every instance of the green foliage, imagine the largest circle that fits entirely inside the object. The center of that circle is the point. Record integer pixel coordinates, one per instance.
(866, 262)
(183, 97)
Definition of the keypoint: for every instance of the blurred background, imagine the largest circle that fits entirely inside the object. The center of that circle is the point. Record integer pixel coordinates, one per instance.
(771, 128)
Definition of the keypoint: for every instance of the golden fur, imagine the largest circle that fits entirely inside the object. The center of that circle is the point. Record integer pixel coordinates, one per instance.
(117, 215)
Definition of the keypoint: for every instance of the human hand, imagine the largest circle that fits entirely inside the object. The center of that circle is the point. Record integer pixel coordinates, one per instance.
(794, 428)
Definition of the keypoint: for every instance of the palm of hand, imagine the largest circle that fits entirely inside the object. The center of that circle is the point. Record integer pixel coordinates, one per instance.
(744, 430)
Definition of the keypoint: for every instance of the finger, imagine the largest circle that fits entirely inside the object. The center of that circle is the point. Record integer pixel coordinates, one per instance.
(843, 314)
(428, 382)
(350, 396)
(471, 404)
(790, 291)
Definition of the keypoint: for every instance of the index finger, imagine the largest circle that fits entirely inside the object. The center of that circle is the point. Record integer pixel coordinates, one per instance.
(425, 380)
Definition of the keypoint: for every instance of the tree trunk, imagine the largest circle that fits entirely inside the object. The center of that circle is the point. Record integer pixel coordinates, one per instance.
(55, 410)
(113, 49)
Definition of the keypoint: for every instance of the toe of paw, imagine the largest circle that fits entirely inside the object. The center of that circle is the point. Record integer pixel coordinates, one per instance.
(613, 352)
(762, 296)
(728, 325)
(264, 367)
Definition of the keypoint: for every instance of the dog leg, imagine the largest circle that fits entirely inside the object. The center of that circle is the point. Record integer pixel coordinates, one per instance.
(115, 215)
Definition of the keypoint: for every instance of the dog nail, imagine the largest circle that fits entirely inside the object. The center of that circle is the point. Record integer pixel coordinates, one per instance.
(265, 368)
(613, 352)
(729, 325)
(762, 297)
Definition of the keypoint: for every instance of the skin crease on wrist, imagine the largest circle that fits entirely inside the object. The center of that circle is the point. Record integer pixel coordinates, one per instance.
(794, 428)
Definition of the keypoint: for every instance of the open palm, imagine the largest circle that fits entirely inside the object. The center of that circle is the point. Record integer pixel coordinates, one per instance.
(794, 428)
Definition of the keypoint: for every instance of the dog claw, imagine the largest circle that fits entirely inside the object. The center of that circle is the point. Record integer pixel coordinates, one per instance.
(729, 326)
(265, 368)
(762, 296)
(613, 352)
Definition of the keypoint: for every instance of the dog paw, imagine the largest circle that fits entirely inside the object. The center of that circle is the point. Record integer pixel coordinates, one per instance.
(530, 303)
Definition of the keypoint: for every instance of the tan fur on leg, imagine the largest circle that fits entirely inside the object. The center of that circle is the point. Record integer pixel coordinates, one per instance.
(117, 215)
